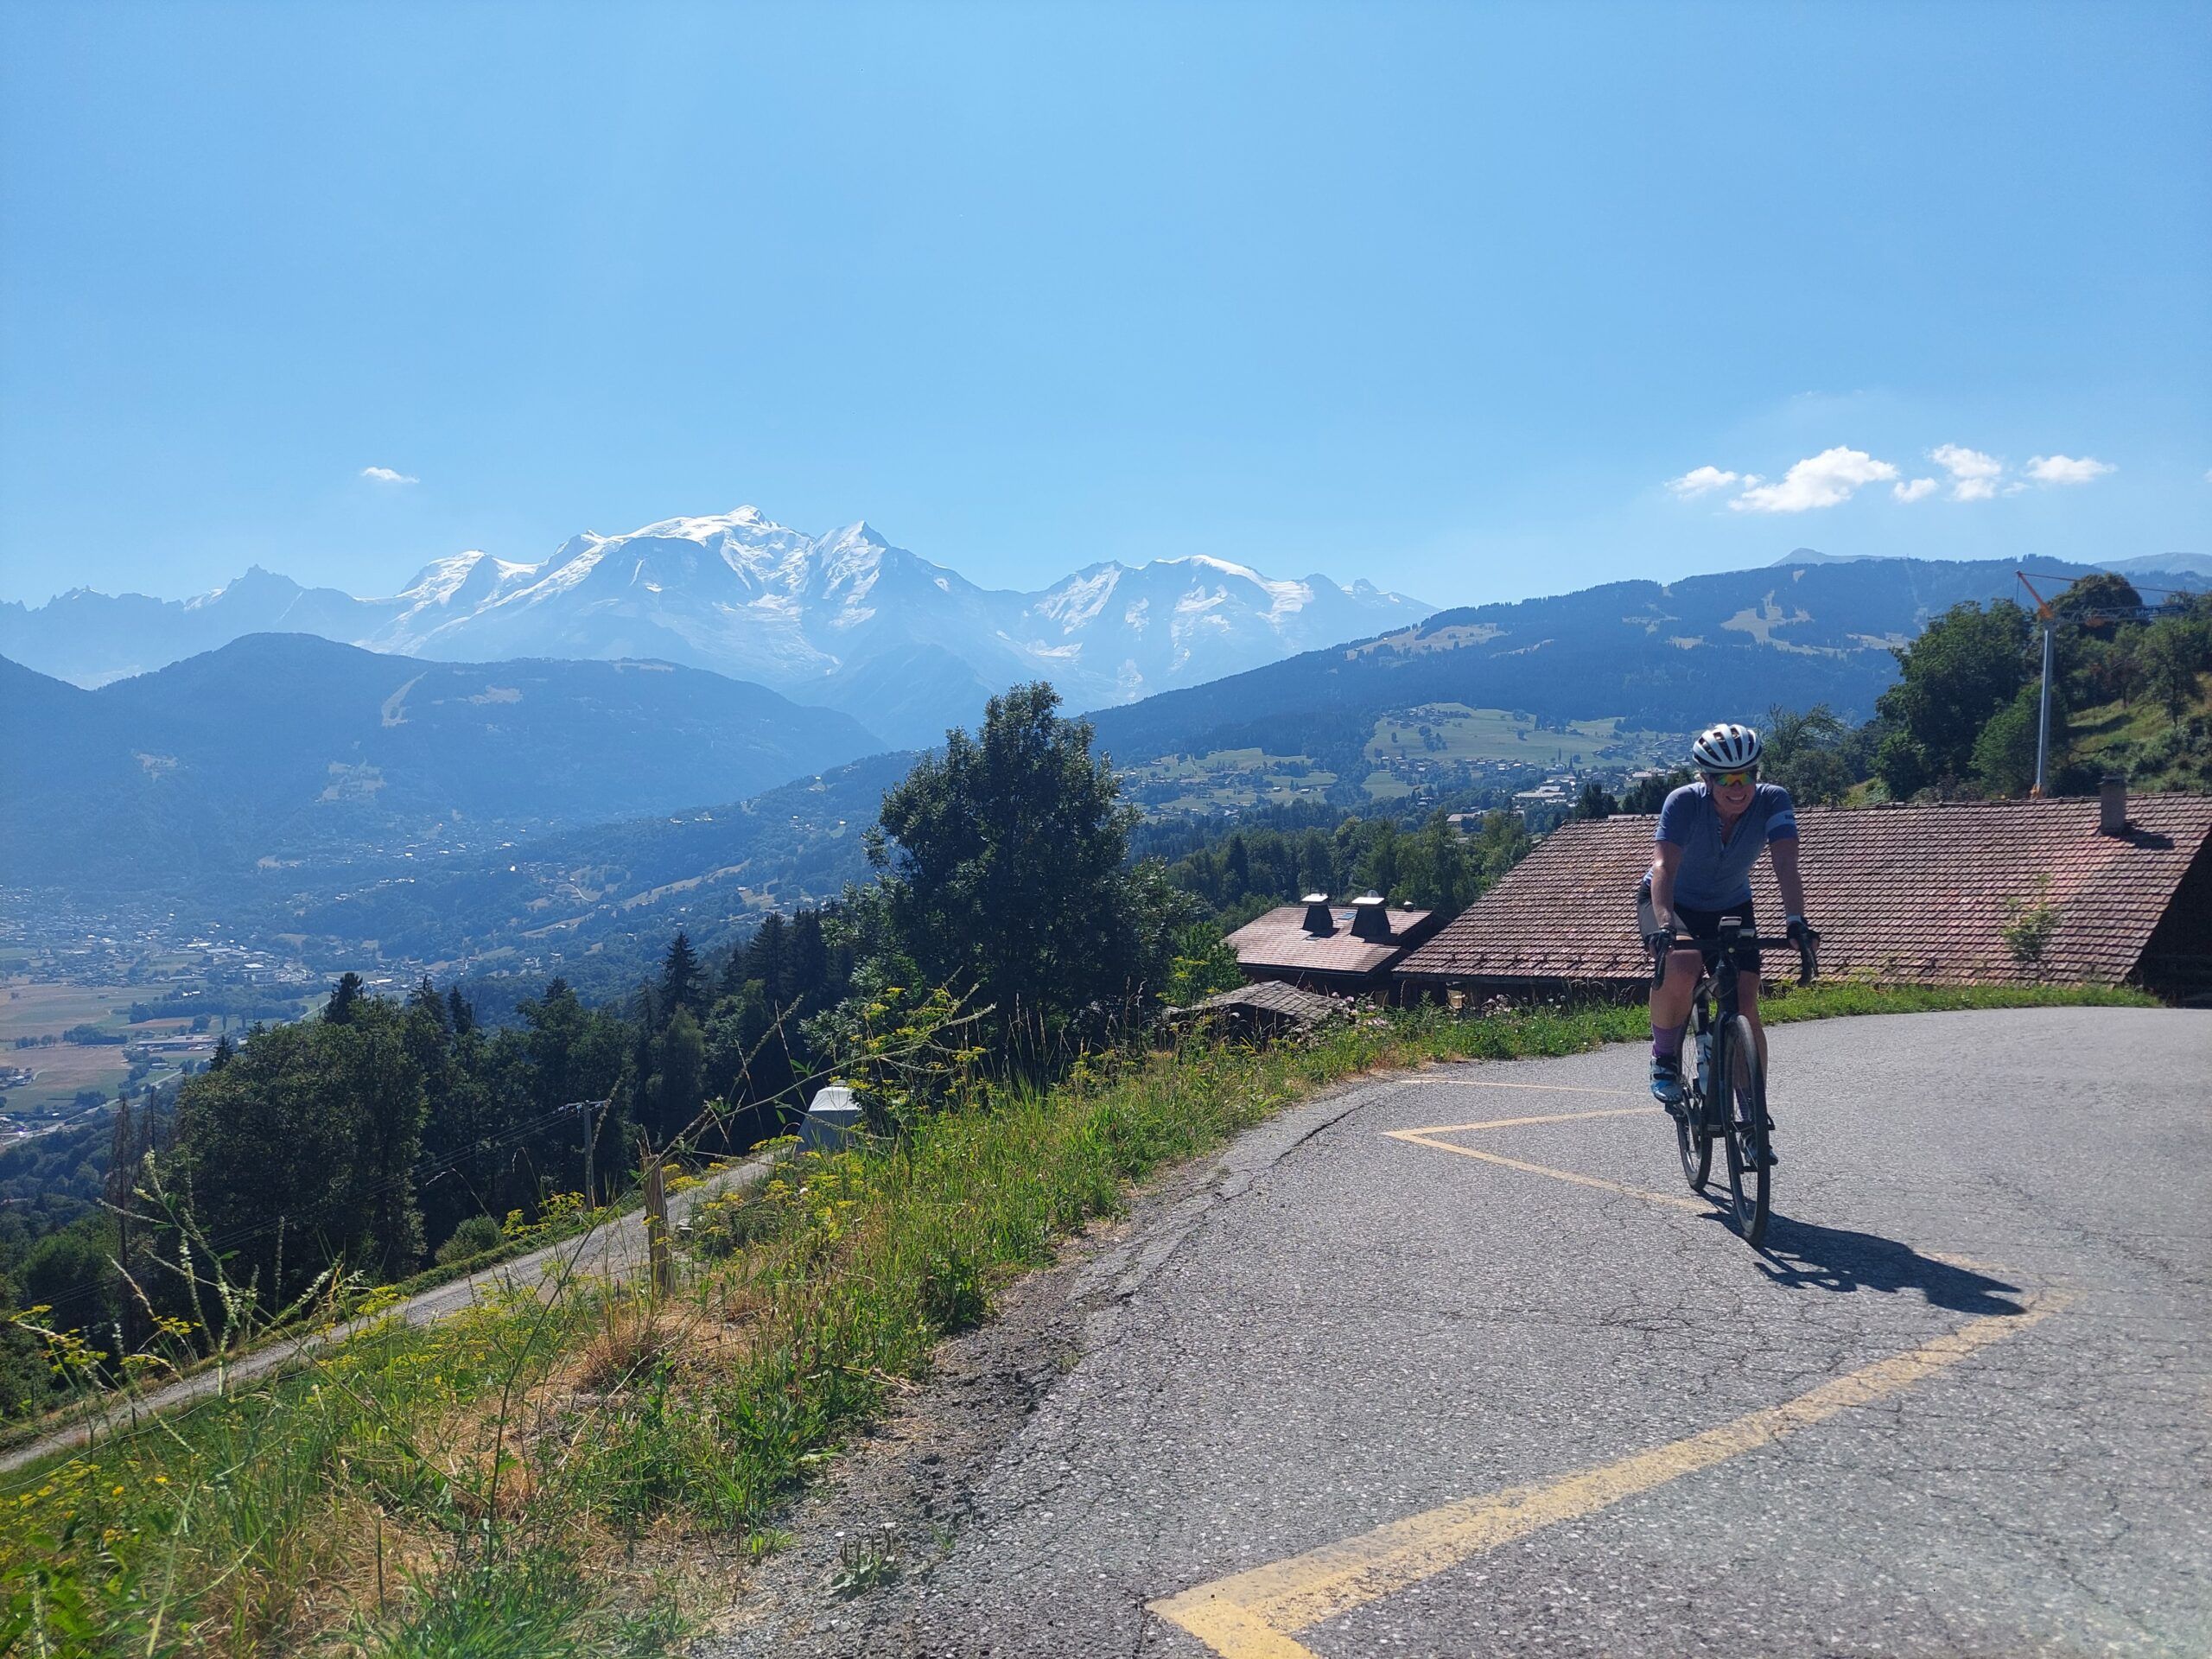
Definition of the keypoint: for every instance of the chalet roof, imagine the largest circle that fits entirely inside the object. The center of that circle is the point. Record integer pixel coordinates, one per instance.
(1278, 942)
(1915, 893)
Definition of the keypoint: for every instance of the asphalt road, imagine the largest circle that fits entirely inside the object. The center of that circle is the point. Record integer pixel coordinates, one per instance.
(1353, 1393)
(614, 1250)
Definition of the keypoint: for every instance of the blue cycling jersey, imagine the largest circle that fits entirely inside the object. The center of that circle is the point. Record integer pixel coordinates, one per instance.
(1716, 870)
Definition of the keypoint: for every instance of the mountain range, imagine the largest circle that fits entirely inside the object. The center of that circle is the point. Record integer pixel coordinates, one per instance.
(845, 620)
(282, 749)
(1669, 656)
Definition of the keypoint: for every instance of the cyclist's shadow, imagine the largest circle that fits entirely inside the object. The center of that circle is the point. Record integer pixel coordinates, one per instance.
(1803, 1257)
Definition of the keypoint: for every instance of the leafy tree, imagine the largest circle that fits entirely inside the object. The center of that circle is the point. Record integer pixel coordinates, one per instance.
(2097, 603)
(2176, 650)
(1202, 964)
(1378, 867)
(1802, 754)
(1650, 794)
(67, 1271)
(744, 1060)
(2004, 752)
(1004, 872)
(1440, 867)
(317, 1125)
(1965, 666)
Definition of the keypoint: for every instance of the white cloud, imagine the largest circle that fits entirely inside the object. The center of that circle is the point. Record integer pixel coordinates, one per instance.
(385, 475)
(1919, 490)
(1975, 475)
(1821, 480)
(1703, 481)
(2065, 469)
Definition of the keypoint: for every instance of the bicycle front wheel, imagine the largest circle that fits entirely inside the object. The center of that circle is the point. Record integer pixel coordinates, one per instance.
(1691, 1139)
(1750, 1173)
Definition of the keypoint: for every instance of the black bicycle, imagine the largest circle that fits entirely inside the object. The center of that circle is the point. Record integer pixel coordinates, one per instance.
(1724, 1098)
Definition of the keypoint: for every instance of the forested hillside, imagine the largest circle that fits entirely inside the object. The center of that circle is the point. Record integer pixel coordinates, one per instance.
(282, 749)
(1664, 657)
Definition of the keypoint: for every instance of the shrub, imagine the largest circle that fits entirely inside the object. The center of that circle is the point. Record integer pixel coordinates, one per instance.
(474, 1236)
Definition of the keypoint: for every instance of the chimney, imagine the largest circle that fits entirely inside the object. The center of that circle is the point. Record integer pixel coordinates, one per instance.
(1371, 917)
(1319, 921)
(2112, 805)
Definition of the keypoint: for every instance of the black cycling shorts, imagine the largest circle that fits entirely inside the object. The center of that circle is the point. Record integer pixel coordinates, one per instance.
(1707, 924)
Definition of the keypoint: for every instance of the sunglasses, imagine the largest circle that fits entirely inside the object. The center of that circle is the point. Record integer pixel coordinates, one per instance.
(1726, 780)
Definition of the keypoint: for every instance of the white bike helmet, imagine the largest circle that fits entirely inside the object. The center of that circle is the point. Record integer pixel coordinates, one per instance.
(1725, 747)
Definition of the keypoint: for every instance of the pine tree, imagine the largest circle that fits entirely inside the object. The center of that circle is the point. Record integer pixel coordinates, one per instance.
(424, 999)
(806, 980)
(340, 1009)
(765, 958)
(680, 976)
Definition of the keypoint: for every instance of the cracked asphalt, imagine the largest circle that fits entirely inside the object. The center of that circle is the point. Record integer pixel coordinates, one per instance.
(1327, 1329)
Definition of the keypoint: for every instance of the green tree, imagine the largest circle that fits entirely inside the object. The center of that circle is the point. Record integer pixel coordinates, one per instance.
(1965, 666)
(1378, 870)
(1596, 801)
(1202, 964)
(343, 1000)
(2174, 653)
(677, 1086)
(1004, 872)
(2004, 752)
(1802, 754)
(1650, 794)
(682, 980)
(1440, 870)
(2097, 603)
(67, 1271)
(1503, 841)
(298, 1153)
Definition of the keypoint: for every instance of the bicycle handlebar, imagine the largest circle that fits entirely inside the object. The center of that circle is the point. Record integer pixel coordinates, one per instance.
(1808, 962)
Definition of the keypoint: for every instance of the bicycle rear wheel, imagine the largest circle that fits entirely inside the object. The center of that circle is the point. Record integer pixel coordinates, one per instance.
(1749, 1175)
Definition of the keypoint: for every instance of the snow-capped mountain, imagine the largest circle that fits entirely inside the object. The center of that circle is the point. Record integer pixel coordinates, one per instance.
(845, 619)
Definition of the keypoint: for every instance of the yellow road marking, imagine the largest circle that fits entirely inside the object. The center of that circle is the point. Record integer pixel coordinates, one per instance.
(1427, 1138)
(1515, 1122)
(1542, 1088)
(1253, 1615)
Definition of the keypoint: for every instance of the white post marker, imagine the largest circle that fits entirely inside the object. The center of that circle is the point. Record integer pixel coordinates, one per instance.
(831, 1122)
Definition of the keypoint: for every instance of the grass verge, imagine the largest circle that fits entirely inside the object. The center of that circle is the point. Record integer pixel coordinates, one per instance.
(556, 1474)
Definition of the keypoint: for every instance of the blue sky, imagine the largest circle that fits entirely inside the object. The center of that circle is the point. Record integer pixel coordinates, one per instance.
(1444, 297)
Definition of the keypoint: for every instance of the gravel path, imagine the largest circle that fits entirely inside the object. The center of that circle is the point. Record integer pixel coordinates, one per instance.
(614, 1250)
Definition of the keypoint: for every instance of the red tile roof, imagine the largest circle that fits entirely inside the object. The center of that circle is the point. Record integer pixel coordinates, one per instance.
(1277, 943)
(1911, 893)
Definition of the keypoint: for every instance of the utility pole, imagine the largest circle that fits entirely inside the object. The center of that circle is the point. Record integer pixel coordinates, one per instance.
(593, 1112)
(2049, 619)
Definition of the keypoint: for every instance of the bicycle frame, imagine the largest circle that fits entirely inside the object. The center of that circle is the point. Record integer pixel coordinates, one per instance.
(1719, 983)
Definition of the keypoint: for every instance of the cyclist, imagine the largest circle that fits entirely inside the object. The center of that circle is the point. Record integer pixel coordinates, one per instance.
(1710, 835)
